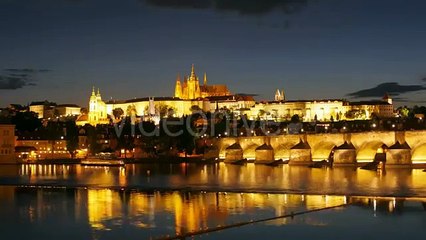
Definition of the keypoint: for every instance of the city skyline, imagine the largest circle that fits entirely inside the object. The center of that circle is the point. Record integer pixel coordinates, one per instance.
(57, 50)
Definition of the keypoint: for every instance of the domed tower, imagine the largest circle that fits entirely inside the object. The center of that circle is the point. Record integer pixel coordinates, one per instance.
(93, 108)
(97, 109)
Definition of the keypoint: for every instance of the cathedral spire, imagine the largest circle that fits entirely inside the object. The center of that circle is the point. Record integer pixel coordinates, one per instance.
(178, 77)
(279, 96)
(205, 79)
(93, 90)
(193, 77)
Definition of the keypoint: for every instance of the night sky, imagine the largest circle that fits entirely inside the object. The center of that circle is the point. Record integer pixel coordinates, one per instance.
(58, 49)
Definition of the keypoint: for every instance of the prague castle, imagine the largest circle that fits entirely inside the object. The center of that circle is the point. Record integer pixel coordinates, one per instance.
(190, 96)
(191, 88)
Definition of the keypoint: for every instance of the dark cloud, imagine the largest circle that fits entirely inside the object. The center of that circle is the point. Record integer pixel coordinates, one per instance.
(25, 70)
(18, 74)
(12, 83)
(256, 7)
(392, 88)
(424, 79)
(15, 78)
(197, 4)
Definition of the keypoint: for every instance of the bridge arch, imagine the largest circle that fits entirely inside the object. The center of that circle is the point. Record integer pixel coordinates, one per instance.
(249, 150)
(418, 153)
(322, 150)
(368, 150)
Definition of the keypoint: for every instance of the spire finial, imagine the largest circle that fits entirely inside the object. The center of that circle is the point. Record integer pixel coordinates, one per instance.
(192, 70)
(205, 78)
(99, 92)
(93, 90)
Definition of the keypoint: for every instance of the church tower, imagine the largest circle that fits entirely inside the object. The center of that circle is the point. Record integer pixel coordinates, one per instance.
(178, 87)
(387, 98)
(205, 79)
(283, 95)
(279, 96)
(192, 86)
(93, 108)
(97, 109)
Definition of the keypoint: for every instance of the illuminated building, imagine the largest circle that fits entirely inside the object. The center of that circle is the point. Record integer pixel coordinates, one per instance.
(7, 143)
(190, 96)
(191, 88)
(41, 149)
(68, 110)
(46, 109)
(97, 109)
(321, 110)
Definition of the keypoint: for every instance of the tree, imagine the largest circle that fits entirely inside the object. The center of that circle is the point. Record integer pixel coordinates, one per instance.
(71, 137)
(92, 138)
(127, 137)
(131, 110)
(187, 140)
(117, 113)
(195, 108)
(164, 110)
(295, 118)
(26, 121)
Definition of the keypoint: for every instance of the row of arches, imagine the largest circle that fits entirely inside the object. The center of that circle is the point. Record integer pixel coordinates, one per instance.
(320, 146)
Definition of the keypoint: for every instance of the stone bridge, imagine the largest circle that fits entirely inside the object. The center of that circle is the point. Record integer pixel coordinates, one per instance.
(397, 147)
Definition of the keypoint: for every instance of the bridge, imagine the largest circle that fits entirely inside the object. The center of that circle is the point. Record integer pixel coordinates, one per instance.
(398, 148)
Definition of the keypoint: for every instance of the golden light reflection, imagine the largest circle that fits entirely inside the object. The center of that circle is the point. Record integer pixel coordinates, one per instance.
(102, 204)
(181, 212)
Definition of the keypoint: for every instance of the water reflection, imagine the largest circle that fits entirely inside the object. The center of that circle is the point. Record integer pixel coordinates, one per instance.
(224, 177)
(103, 213)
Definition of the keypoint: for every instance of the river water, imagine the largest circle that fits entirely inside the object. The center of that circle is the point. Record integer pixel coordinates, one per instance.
(153, 201)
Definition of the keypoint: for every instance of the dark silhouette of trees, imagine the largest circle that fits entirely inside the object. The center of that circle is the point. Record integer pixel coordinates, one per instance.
(71, 137)
(26, 121)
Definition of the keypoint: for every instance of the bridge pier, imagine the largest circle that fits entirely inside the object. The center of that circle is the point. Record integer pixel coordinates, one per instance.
(234, 153)
(211, 152)
(300, 154)
(398, 155)
(264, 154)
(344, 155)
